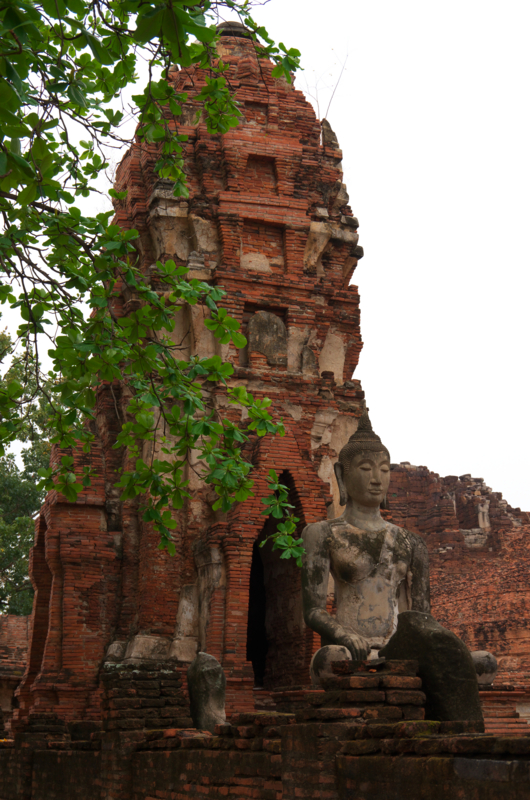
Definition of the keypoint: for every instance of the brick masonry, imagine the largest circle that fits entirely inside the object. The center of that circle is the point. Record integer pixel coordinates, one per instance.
(479, 560)
(273, 757)
(13, 658)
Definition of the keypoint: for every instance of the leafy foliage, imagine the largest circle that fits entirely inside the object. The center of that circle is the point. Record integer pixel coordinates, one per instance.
(20, 495)
(63, 66)
(16, 591)
(20, 499)
(279, 508)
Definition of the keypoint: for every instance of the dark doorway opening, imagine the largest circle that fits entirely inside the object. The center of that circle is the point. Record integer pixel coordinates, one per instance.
(257, 645)
(279, 645)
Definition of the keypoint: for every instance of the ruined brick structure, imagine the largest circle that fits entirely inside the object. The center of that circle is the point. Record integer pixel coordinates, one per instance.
(13, 657)
(268, 220)
(364, 736)
(479, 555)
(102, 704)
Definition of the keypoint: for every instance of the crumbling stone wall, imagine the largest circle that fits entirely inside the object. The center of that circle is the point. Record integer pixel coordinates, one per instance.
(274, 757)
(479, 552)
(421, 500)
(13, 656)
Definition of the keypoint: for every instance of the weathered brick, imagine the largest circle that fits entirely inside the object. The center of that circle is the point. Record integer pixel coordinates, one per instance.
(400, 682)
(403, 697)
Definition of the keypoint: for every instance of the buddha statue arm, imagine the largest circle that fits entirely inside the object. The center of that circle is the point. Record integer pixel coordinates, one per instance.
(419, 577)
(315, 576)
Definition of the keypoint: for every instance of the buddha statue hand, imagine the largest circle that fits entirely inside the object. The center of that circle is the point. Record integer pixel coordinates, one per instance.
(358, 647)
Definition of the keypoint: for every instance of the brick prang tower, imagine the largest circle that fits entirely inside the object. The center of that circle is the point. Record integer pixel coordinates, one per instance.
(268, 220)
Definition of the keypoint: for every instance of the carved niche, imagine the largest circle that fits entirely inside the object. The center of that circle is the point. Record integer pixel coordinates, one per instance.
(267, 334)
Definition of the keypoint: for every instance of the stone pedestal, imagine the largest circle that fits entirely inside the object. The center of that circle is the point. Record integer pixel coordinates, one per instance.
(143, 697)
(387, 690)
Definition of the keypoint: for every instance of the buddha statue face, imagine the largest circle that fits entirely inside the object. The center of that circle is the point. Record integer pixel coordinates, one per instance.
(363, 468)
(365, 478)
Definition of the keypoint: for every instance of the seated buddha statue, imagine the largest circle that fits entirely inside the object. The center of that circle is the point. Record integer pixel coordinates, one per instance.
(381, 574)
(379, 569)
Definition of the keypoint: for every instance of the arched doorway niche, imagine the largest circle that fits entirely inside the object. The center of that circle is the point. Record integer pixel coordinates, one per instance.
(279, 644)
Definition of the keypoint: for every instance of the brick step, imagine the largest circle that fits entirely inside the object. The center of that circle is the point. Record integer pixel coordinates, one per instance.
(516, 729)
(497, 705)
(502, 733)
(515, 722)
(499, 730)
(490, 714)
(500, 703)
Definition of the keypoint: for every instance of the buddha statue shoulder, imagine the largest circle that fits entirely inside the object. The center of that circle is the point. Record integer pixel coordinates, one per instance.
(379, 569)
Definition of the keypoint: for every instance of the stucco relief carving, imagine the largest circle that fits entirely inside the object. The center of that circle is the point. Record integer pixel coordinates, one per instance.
(266, 334)
(176, 233)
(321, 430)
(333, 356)
(483, 513)
(320, 234)
(185, 644)
(211, 576)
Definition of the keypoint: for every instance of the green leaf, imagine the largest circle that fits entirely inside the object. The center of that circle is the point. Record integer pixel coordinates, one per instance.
(76, 96)
(16, 161)
(14, 389)
(238, 340)
(77, 6)
(148, 25)
(39, 149)
(193, 25)
(8, 117)
(14, 77)
(28, 195)
(118, 195)
(100, 53)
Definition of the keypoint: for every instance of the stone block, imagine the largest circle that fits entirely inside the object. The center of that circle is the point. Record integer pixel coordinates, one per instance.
(398, 697)
(383, 712)
(361, 747)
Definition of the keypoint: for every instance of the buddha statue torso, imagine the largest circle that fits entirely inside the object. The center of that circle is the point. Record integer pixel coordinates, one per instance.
(373, 572)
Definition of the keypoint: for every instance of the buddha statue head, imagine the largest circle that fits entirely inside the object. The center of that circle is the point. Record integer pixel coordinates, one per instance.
(363, 468)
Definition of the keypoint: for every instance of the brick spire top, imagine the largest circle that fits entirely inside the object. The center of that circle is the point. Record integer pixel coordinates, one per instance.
(233, 28)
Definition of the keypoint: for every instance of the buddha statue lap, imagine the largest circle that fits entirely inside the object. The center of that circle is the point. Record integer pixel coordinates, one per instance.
(380, 571)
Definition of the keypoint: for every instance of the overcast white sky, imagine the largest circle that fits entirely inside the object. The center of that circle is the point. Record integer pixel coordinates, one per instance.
(432, 114)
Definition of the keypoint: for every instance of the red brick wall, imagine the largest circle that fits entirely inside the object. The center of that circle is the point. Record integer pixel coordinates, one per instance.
(13, 656)
(13, 645)
(479, 577)
(186, 774)
(332, 761)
